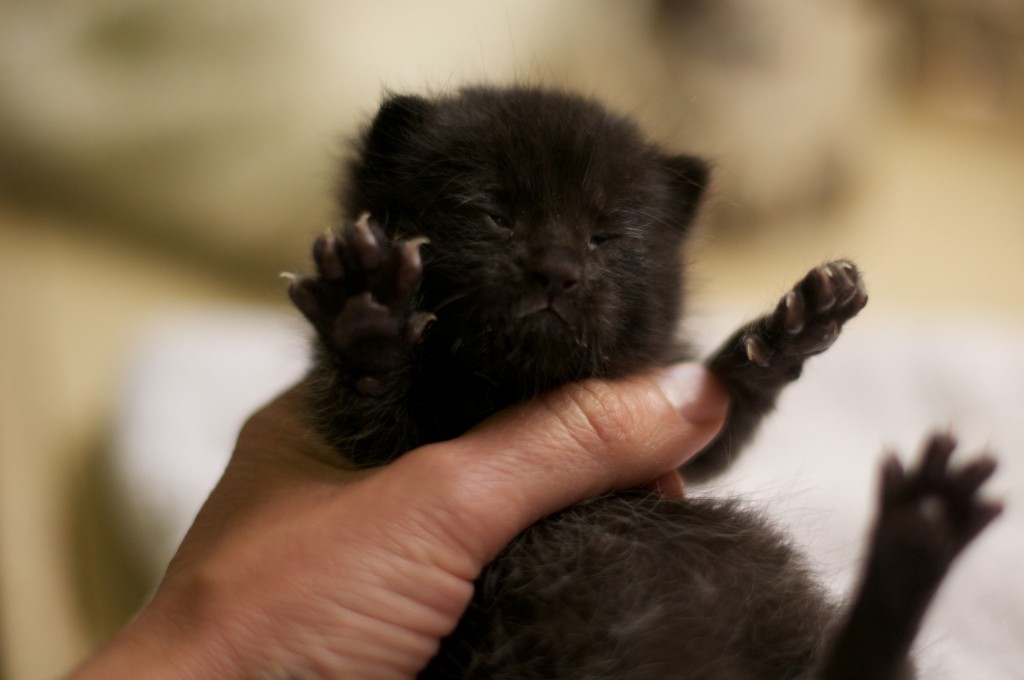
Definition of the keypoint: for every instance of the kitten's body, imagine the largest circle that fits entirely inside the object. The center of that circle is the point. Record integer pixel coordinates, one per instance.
(638, 587)
(554, 235)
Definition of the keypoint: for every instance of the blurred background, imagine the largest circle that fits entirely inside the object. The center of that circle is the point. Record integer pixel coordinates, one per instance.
(161, 163)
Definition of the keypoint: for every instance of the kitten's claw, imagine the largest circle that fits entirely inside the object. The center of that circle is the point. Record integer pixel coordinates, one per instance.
(756, 351)
(795, 312)
(327, 254)
(848, 284)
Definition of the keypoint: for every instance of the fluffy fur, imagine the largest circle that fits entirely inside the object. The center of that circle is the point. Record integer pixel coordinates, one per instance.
(635, 586)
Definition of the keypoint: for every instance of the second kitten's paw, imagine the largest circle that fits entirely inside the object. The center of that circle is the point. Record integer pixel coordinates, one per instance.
(808, 318)
(363, 288)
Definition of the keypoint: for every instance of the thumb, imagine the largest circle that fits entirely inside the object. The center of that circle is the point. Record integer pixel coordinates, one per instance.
(573, 443)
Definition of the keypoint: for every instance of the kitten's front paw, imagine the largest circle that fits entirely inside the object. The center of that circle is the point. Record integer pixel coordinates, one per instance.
(930, 512)
(363, 288)
(809, 317)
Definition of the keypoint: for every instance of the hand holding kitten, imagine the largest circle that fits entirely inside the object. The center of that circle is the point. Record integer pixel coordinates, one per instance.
(298, 566)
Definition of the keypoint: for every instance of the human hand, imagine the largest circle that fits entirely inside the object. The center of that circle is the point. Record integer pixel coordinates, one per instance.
(299, 567)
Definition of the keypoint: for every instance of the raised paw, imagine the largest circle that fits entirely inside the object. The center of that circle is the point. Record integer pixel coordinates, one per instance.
(808, 318)
(931, 511)
(928, 514)
(363, 288)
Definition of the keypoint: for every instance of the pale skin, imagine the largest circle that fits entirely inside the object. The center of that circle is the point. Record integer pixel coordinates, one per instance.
(299, 567)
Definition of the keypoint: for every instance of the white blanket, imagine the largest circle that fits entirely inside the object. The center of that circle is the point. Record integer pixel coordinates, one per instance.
(813, 467)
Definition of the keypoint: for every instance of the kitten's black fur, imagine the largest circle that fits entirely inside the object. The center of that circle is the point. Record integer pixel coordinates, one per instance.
(500, 242)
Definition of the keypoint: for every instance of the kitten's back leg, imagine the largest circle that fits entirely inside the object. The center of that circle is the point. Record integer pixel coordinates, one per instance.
(927, 516)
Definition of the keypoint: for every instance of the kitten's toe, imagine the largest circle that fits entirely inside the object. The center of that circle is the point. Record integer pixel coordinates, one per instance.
(850, 292)
(794, 316)
(408, 270)
(327, 255)
(365, 244)
(820, 288)
(304, 295)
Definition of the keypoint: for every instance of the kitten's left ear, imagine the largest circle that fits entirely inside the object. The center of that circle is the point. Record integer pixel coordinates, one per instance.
(378, 172)
(689, 177)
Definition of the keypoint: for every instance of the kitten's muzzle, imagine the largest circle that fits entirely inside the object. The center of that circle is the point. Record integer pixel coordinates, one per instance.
(555, 274)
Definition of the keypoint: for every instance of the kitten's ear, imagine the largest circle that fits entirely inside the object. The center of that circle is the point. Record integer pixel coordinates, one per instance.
(689, 177)
(377, 172)
(399, 118)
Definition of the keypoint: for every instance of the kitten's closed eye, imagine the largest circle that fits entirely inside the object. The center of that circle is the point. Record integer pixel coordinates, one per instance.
(600, 239)
(498, 220)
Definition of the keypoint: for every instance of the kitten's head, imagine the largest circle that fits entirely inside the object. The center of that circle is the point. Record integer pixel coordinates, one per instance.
(554, 228)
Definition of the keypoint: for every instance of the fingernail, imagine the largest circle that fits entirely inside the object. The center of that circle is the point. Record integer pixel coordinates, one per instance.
(694, 392)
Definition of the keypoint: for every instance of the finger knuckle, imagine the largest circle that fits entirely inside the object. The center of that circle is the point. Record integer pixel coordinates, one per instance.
(595, 413)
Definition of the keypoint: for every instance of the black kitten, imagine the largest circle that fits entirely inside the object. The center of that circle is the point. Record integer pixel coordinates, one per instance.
(551, 235)
(501, 242)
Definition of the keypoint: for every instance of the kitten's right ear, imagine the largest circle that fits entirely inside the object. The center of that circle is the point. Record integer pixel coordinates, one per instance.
(398, 119)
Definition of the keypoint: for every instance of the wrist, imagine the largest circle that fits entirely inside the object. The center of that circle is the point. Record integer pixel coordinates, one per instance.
(155, 645)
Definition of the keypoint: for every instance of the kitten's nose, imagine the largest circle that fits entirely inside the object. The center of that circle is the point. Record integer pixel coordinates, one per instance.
(556, 275)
